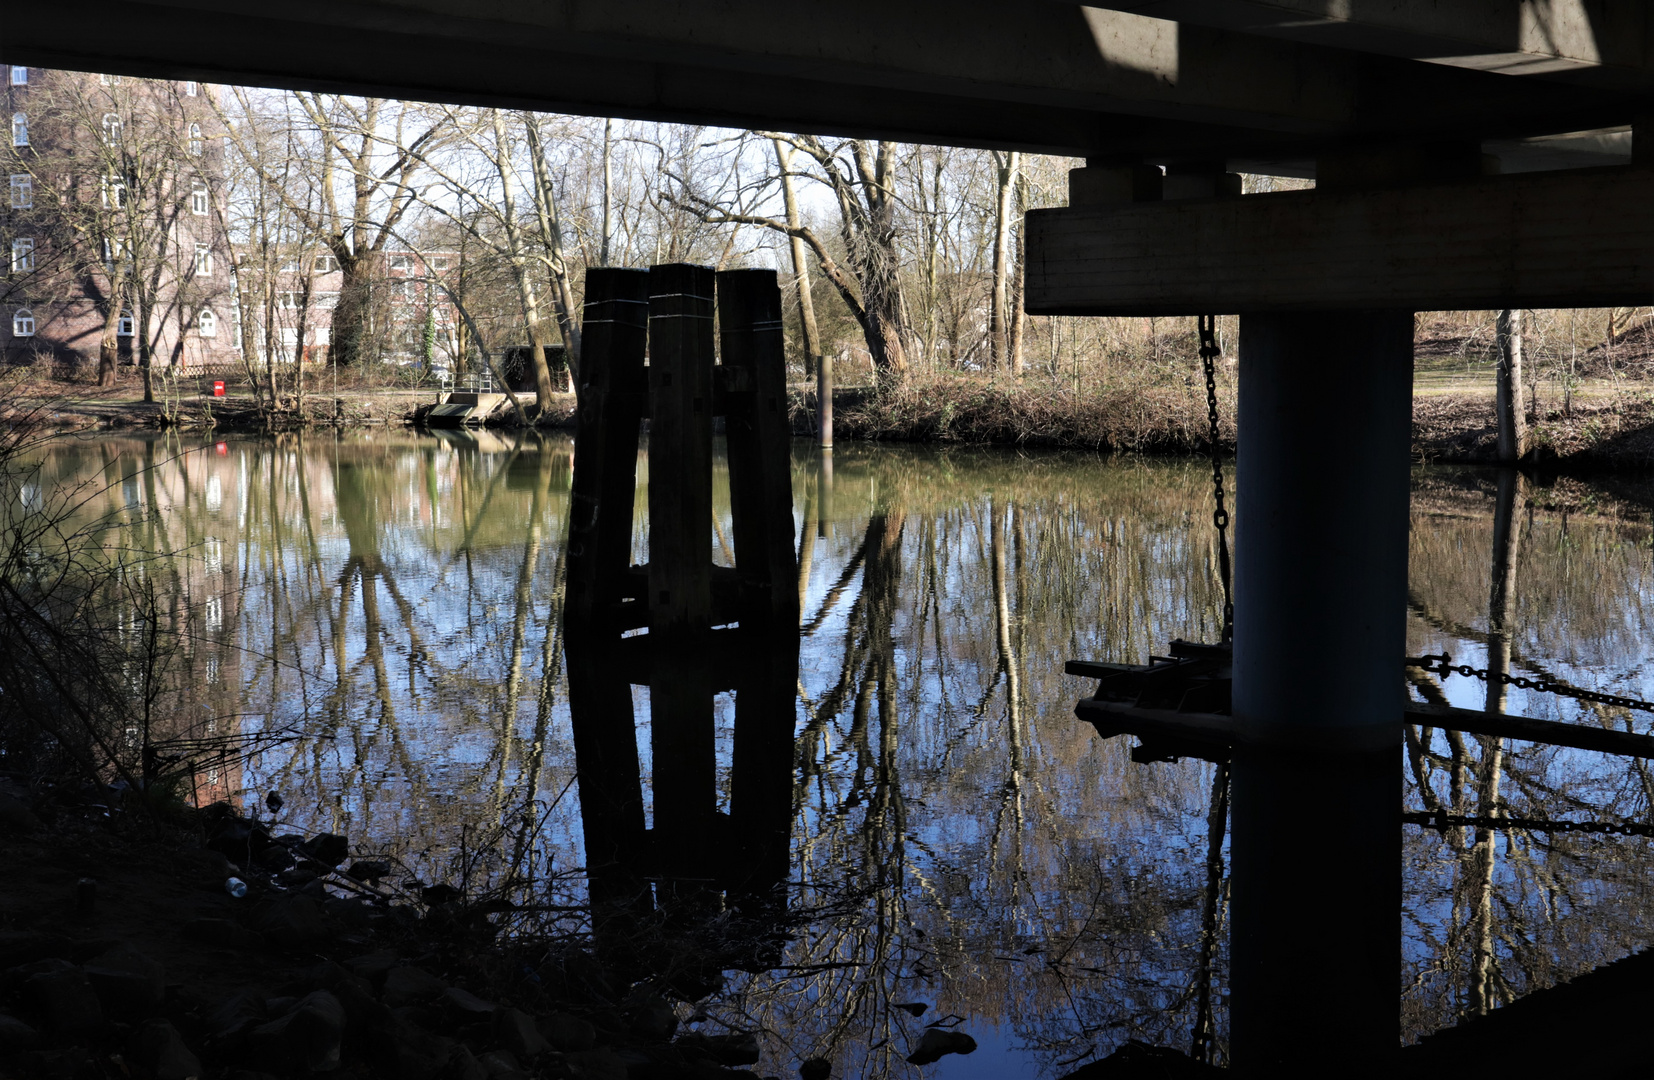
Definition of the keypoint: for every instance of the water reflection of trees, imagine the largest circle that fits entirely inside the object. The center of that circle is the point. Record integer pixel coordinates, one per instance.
(959, 839)
(1497, 914)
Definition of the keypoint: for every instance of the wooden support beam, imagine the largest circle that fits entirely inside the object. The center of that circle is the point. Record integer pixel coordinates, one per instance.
(1538, 240)
(605, 441)
(680, 447)
(682, 738)
(758, 440)
(1112, 718)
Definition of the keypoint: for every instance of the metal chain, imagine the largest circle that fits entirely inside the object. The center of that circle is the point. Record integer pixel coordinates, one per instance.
(1442, 664)
(1442, 820)
(1209, 353)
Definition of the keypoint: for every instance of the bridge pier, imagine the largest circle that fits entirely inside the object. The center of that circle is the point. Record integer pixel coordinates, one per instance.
(1320, 602)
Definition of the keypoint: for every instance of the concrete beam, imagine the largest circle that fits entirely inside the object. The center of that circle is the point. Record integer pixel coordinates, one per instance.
(1043, 77)
(1605, 43)
(1567, 239)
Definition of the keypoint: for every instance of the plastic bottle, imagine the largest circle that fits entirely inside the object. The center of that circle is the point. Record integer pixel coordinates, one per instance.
(236, 887)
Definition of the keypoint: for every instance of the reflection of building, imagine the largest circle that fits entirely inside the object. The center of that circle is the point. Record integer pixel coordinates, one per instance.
(113, 221)
(408, 317)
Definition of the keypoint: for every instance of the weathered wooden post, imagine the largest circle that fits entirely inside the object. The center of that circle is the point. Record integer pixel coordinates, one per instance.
(612, 402)
(692, 849)
(754, 377)
(680, 562)
(760, 482)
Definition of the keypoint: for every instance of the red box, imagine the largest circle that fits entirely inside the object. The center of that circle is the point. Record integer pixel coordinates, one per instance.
(218, 388)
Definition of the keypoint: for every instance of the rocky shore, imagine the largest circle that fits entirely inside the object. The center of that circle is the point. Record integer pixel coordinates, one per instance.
(125, 952)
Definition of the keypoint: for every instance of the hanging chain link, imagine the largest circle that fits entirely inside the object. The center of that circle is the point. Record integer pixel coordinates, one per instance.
(1441, 820)
(1209, 353)
(1442, 664)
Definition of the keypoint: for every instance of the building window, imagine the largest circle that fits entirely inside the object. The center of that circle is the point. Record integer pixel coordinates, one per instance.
(287, 300)
(191, 88)
(326, 263)
(438, 263)
(197, 143)
(22, 191)
(203, 259)
(206, 323)
(114, 251)
(22, 323)
(124, 325)
(22, 255)
(325, 301)
(289, 265)
(402, 262)
(198, 197)
(19, 75)
(110, 80)
(114, 193)
(112, 129)
(19, 129)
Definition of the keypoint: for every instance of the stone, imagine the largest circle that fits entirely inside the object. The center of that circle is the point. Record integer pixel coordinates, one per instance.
(296, 878)
(307, 1036)
(159, 1052)
(15, 815)
(464, 1006)
(653, 1018)
(128, 983)
(912, 1008)
(516, 1031)
(463, 1065)
(408, 1053)
(236, 1014)
(206, 868)
(596, 1065)
(936, 1043)
(502, 1065)
(739, 1048)
(66, 1000)
(18, 947)
(226, 933)
(568, 1032)
(291, 922)
(329, 849)
(328, 975)
(16, 1036)
(374, 966)
(410, 986)
(274, 858)
(815, 1069)
(368, 869)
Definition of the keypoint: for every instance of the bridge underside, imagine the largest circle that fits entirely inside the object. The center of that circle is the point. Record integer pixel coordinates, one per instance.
(1404, 112)
(1265, 85)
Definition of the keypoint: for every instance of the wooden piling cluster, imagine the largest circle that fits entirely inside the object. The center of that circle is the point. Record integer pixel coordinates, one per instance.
(651, 353)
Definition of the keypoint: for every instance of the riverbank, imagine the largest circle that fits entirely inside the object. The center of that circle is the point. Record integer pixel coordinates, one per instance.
(1601, 428)
(123, 953)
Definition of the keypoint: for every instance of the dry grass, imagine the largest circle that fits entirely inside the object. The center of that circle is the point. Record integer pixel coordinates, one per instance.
(1143, 418)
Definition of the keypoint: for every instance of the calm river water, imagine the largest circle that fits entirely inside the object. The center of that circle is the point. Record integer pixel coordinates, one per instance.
(391, 602)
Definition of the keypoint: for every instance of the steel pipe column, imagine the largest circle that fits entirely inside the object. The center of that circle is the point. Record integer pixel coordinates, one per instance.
(1320, 601)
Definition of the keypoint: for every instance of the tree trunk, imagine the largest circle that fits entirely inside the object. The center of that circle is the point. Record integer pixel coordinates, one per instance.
(885, 326)
(350, 314)
(1484, 855)
(1019, 318)
(109, 345)
(1513, 419)
(519, 264)
(801, 267)
(608, 184)
(998, 328)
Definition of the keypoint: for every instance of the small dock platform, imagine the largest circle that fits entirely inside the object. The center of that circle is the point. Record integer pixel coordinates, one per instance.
(462, 408)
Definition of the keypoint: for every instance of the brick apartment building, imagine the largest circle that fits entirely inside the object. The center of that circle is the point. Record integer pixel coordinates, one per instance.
(406, 311)
(112, 228)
